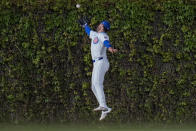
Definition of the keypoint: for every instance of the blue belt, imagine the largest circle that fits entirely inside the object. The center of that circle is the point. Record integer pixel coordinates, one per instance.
(99, 58)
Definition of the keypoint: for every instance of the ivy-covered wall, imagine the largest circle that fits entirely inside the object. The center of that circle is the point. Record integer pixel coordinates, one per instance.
(45, 61)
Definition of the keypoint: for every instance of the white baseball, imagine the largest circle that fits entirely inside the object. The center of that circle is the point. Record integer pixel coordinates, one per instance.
(78, 5)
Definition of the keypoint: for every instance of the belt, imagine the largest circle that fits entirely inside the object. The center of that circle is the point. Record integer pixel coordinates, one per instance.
(99, 58)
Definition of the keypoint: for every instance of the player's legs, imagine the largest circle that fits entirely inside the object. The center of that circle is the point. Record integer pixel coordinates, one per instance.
(99, 108)
(101, 68)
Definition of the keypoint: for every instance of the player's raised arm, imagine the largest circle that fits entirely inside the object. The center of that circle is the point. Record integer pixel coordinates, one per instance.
(84, 23)
(87, 29)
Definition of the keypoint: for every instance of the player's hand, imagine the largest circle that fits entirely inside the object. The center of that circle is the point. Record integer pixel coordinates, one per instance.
(112, 50)
(84, 21)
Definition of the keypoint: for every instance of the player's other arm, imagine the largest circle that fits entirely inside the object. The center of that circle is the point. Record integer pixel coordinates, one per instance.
(109, 46)
(112, 50)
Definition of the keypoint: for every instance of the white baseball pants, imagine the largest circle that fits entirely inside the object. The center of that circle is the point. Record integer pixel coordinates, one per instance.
(100, 67)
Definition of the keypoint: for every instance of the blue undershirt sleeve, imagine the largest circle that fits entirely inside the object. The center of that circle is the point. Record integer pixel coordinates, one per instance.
(107, 43)
(87, 30)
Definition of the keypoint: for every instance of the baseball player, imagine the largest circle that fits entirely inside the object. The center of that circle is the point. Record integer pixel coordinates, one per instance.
(99, 45)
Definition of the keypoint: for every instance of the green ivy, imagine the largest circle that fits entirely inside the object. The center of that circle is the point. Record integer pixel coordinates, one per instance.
(46, 64)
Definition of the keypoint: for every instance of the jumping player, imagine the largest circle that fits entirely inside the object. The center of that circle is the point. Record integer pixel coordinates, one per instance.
(99, 45)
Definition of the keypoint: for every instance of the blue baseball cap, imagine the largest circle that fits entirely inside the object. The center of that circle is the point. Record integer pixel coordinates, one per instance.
(106, 24)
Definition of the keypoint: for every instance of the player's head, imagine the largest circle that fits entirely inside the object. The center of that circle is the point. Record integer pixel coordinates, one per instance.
(103, 26)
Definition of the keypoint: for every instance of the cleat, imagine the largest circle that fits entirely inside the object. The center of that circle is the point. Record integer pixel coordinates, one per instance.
(104, 114)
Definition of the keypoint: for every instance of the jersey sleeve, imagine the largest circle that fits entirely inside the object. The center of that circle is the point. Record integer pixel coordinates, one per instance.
(87, 29)
(105, 40)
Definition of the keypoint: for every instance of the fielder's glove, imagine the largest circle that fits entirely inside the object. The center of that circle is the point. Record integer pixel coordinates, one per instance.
(84, 21)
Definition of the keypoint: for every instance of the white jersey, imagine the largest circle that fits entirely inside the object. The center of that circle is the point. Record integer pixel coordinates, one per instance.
(98, 48)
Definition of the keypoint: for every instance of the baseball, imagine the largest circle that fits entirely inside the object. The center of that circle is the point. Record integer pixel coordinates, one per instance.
(78, 5)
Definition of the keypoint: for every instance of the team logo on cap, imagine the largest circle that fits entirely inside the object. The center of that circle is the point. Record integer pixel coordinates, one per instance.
(96, 40)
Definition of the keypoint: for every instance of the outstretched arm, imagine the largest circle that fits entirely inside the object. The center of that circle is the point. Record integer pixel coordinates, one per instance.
(84, 23)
